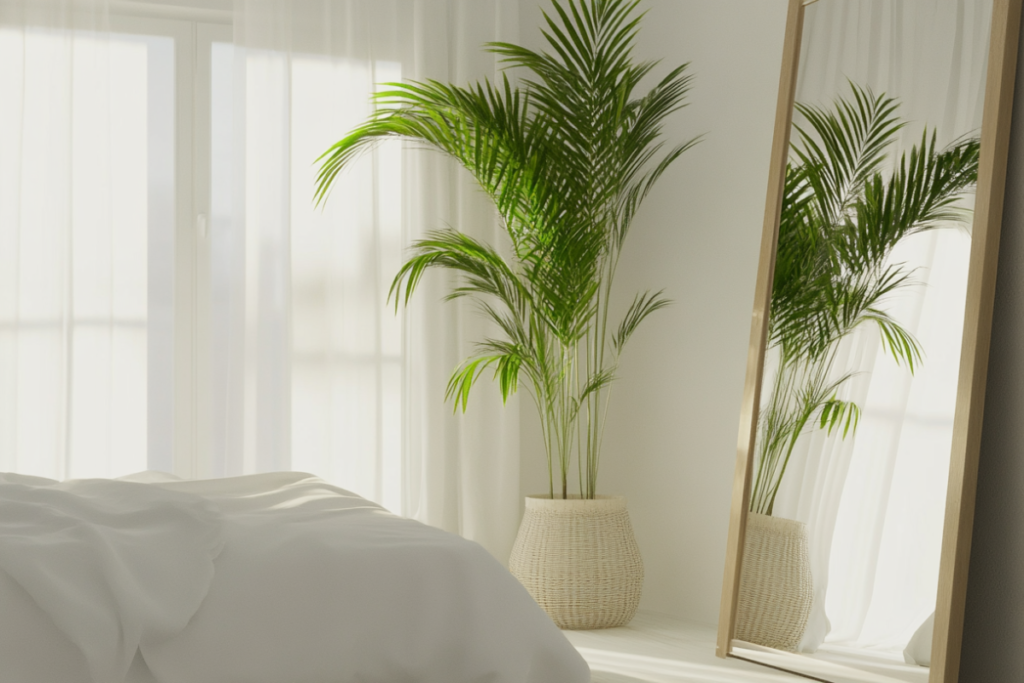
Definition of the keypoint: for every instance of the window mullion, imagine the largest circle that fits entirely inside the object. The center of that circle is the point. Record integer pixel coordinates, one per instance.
(206, 462)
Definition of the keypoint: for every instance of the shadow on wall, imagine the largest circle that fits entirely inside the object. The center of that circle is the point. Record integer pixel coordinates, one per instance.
(994, 620)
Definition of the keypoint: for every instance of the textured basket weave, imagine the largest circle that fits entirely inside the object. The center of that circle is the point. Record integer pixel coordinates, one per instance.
(775, 584)
(579, 560)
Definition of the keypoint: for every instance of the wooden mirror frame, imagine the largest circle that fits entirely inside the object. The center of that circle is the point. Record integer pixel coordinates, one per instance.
(970, 396)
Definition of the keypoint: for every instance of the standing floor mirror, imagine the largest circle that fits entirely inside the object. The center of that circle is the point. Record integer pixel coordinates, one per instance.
(860, 427)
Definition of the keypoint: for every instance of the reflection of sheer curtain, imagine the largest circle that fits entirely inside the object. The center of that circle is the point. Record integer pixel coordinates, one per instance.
(312, 371)
(84, 207)
(874, 503)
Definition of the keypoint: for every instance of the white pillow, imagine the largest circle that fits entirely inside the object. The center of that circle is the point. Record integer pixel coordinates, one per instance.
(151, 477)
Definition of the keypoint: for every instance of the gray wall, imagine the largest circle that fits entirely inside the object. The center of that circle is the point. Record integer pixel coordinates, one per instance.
(993, 644)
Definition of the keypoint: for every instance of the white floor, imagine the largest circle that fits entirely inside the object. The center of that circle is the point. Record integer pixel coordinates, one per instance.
(659, 649)
(888, 664)
(837, 665)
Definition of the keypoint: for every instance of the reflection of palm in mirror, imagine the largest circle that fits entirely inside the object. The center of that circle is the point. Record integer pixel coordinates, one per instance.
(868, 321)
(873, 503)
(842, 216)
(850, 199)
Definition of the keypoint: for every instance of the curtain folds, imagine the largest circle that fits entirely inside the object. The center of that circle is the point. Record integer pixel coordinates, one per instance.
(874, 503)
(75, 189)
(313, 370)
(310, 368)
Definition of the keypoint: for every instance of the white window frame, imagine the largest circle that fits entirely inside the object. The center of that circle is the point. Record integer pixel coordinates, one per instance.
(194, 31)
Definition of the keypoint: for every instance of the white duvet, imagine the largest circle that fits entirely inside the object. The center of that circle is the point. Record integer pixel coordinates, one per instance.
(274, 578)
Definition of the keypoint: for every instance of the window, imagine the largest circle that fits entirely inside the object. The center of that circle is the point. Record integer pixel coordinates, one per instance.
(129, 326)
(97, 291)
(323, 317)
(85, 308)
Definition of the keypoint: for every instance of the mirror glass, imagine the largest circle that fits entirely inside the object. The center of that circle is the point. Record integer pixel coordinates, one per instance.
(859, 387)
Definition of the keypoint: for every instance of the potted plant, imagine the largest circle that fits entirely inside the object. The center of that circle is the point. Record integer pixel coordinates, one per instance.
(567, 157)
(843, 213)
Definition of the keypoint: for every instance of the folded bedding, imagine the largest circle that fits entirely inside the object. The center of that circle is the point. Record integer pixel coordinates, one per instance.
(271, 578)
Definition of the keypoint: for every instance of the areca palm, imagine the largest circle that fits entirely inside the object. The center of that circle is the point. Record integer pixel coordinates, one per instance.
(567, 156)
(843, 213)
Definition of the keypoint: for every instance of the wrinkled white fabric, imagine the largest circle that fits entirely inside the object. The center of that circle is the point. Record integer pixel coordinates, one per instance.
(919, 649)
(319, 585)
(112, 564)
(150, 477)
(312, 583)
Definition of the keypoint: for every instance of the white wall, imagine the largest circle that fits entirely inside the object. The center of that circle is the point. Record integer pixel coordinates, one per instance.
(672, 430)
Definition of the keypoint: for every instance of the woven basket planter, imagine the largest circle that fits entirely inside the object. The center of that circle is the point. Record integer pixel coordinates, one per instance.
(579, 560)
(775, 583)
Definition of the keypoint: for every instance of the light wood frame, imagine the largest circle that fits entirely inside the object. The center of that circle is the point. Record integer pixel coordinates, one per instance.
(970, 398)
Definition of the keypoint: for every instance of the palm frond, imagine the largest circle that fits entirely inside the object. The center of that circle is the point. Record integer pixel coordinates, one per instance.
(465, 376)
(485, 270)
(847, 202)
(896, 340)
(835, 412)
(567, 156)
(643, 305)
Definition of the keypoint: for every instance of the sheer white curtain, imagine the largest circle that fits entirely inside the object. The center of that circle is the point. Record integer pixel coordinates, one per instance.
(311, 369)
(84, 197)
(874, 503)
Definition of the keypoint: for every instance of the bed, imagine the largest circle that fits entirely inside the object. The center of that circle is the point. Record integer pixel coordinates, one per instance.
(270, 578)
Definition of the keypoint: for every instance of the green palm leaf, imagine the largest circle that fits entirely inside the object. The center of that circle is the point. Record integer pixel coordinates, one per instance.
(567, 157)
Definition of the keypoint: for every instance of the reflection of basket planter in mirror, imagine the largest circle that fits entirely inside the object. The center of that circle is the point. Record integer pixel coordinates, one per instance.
(776, 585)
